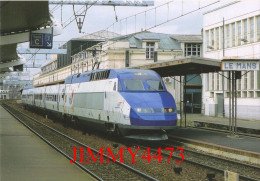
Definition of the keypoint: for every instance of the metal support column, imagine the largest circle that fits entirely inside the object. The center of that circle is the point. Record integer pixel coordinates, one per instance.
(223, 114)
(235, 104)
(184, 99)
(229, 98)
(180, 103)
(232, 104)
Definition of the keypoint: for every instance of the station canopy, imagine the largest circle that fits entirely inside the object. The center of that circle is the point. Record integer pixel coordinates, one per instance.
(17, 17)
(183, 66)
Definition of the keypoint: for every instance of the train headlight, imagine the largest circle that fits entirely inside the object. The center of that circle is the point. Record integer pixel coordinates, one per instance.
(144, 110)
(169, 110)
(138, 110)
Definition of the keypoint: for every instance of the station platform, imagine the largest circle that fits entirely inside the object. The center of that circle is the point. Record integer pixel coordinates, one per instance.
(218, 138)
(24, 156)
(241, 123)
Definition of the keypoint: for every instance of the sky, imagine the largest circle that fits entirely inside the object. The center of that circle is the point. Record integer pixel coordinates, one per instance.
(101, 17)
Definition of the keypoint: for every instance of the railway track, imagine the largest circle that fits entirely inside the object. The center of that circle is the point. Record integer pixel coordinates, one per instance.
(218, 164)
(110, 171)
(189, 158)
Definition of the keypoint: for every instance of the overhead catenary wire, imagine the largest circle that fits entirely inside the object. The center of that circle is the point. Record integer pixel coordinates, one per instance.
(79, 12)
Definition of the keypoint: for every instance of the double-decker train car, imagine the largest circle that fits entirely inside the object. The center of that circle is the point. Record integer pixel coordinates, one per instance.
(131, 102)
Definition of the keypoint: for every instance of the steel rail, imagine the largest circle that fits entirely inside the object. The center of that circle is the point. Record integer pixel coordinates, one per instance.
(206, 166)
(216, 157)
(138, 172)
(220, 158)
(52, 145)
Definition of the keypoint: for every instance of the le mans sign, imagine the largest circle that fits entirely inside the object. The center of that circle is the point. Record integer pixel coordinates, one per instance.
(240, 64)
(41, 40)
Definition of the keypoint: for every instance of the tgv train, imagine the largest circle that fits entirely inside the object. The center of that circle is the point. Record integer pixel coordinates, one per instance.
(131, 102)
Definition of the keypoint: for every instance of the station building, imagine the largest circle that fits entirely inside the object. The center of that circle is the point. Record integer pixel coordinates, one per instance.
(241, 41)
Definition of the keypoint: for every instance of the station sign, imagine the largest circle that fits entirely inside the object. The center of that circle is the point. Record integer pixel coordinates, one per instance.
(240, 64)
(41, 40)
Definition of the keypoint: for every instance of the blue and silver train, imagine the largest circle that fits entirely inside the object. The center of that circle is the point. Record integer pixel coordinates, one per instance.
(131, 102)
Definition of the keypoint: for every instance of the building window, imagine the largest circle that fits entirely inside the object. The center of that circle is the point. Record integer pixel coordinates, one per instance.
(192, 49)
(245, 30)
(258, 28)
(239, 33)
(252, 80)
(217, 81)
(251, 30)
(217, 38)
(238, 84)
(207, 39)
(212, 38)
(233, 34)
(211, 81)
(245, 80)
(228, 36)
(150, 50)
(221, 37)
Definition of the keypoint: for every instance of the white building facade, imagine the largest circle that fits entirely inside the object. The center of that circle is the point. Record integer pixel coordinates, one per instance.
(241, 40)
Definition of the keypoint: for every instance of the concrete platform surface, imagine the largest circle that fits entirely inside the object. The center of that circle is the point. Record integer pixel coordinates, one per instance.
(24, 156)
(219, 138)
(249, 124)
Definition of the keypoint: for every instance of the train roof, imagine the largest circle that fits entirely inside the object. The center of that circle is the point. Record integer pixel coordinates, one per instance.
(102, 74)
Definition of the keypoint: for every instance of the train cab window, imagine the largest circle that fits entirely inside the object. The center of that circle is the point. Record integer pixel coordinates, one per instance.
(114, 88)
(155, 85)
(119, 86)
(134, 85)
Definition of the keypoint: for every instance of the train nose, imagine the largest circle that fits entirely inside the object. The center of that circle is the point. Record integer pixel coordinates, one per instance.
(151, 108)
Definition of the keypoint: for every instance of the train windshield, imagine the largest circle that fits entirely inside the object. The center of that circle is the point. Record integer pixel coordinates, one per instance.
(140, 85)
(134, 85)
(155, 85)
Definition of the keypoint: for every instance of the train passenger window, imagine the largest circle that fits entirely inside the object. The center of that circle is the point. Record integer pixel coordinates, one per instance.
(102, 75)
(94, 76)
(91, 77)
(98, 76)
(155, 85)
(134, 85)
